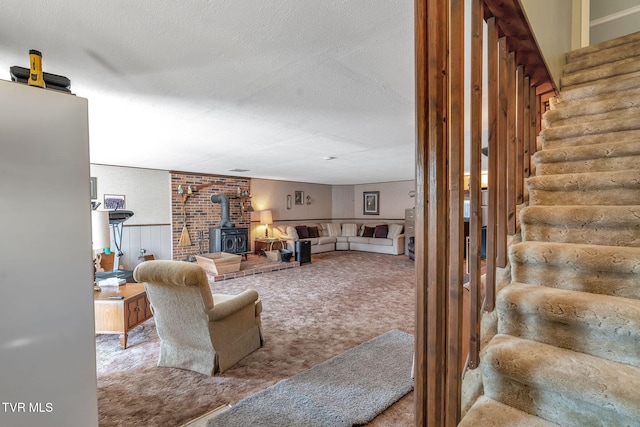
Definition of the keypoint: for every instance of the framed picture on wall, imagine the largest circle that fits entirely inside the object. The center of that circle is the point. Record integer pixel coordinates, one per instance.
(371, 203)
(114, 201)
(299, 197)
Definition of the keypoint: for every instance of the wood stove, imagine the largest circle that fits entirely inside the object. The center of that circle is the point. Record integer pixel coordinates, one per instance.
(229, 239)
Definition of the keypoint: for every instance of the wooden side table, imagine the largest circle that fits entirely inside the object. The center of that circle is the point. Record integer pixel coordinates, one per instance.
(119, 316)
(262, 245)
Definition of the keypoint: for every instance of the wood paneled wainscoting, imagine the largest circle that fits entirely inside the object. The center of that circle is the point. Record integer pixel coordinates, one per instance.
(154, 238)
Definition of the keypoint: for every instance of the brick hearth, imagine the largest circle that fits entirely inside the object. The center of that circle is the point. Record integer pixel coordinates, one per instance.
(254, 265)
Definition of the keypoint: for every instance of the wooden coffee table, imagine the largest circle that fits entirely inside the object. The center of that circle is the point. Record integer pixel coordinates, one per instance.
(119, 316)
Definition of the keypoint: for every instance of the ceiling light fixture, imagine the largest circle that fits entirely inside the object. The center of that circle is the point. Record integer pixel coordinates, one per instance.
(238, 170)
(330, 157)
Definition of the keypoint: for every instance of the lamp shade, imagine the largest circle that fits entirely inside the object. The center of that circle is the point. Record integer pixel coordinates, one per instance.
(100, 237)
(265, 217)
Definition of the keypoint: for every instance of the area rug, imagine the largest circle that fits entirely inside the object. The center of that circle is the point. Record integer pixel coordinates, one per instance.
(348, 389)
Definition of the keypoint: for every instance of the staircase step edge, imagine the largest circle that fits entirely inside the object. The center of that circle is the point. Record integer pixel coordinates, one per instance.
(596, 127)
(617, 68)
(625, 136)
(575, 375)
(624, 216)
(566, 109)
(587, 152)
(487, 412)
(581, 257)
(595, 311)
(586, 181)
(604, 326)
(606, 85)
(605, 110)
(586, 51)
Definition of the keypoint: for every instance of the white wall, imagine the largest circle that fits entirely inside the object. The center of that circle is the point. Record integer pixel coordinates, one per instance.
(147, 192)
(394, 199)
(611, 19)
(148, 195)
(551, 21)
(343, 202)
(270, 194)
(47, 341)
(338, 202)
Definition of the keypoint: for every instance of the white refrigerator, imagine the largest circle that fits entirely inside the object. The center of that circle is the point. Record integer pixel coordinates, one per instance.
(47, 341)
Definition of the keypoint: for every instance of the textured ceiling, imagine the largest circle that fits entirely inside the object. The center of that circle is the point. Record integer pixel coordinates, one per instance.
(270, 86)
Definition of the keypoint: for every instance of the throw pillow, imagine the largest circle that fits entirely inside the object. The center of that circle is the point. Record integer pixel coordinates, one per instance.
(292, 233)
(313, 232)
(303, 231)
(394, 230)
(349, 230)
(381, 231)
(333, 230)
(368, 231)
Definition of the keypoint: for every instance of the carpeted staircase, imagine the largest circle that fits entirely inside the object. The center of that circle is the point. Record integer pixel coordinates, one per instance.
(563, 345)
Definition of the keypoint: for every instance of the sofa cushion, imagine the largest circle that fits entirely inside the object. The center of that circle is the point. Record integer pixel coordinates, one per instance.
(349, 230)
(313, 241)
(382, 242)
(333, 229)
(303, 231)
(292, 233)
(359, 239)
(326, 239)
(368, 231)
(289, 233)
(381, 231)
(394, 230)
(314, 232)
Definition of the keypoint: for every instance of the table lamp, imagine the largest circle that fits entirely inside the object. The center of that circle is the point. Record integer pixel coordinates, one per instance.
(266, 219)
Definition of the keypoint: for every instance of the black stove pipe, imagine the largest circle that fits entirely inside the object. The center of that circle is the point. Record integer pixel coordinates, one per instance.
(224, 209)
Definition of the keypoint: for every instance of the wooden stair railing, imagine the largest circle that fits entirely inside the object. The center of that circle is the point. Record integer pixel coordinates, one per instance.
(519, 86)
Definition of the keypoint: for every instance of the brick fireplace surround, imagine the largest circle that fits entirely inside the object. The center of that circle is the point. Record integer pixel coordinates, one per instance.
(201, 212)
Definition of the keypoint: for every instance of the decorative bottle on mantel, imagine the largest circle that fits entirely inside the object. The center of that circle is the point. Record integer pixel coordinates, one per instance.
(36, 77)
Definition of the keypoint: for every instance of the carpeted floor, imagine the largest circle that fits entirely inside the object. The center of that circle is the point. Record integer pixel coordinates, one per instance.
(311, 314)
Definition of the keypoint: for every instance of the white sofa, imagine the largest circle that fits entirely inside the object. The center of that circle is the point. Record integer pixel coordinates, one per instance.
(385, 238)
(321, 243)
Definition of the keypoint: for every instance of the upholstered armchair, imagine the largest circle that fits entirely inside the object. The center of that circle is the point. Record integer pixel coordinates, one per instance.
(199, 331)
